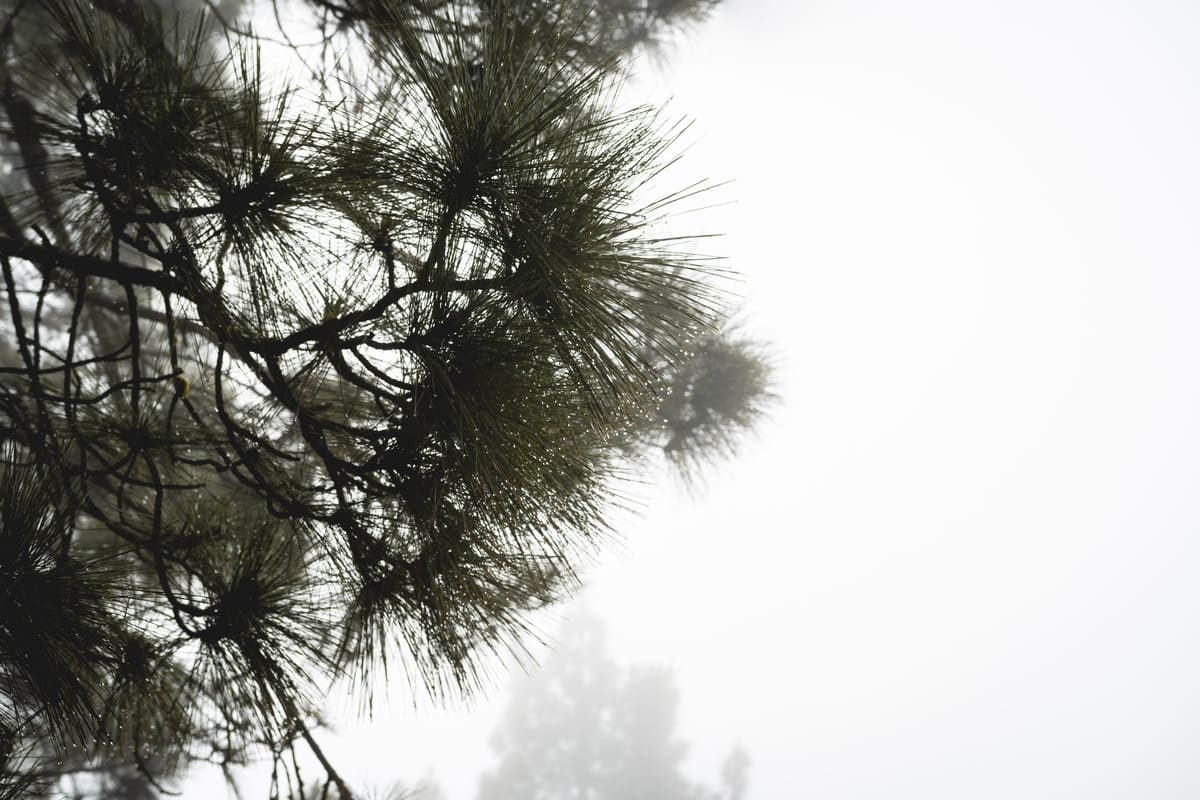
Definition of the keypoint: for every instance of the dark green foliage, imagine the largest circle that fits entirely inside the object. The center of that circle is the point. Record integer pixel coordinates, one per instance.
(297, 380)
(714, 398)
(53, 623)
(596, 33)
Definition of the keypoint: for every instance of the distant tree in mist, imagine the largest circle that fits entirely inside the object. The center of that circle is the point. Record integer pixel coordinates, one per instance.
(585, 728)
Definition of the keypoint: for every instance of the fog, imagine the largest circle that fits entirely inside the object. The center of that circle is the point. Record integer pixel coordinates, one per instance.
(959, 558)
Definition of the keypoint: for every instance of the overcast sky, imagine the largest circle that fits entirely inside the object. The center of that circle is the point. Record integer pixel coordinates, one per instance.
(960, 560)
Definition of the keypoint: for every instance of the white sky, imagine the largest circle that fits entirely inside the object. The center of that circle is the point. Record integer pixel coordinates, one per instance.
(959, 561)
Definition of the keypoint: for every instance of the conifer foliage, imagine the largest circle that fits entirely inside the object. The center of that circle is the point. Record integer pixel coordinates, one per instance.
(304, 375)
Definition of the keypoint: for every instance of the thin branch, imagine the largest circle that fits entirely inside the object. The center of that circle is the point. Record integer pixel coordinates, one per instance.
(125, 274)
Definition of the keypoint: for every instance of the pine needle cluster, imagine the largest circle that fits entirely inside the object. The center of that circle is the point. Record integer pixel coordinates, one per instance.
(297, 380)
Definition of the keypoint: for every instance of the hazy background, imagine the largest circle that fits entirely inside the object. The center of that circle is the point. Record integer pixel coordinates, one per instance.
(960, 560)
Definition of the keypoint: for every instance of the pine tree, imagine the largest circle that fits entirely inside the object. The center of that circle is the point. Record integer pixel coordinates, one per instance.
(301, 378)
(584, 726)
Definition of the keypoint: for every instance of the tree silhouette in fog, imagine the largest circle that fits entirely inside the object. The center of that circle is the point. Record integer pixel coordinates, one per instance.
(585, 728)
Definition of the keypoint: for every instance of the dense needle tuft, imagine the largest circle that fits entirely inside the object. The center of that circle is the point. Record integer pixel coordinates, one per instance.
(310, 378)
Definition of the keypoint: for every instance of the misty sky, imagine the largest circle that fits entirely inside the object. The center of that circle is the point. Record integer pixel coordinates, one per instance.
(962, 562)
(960, 559)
